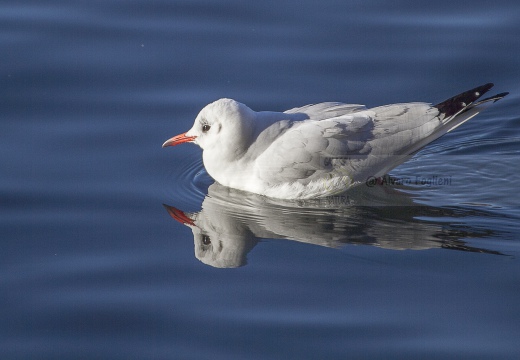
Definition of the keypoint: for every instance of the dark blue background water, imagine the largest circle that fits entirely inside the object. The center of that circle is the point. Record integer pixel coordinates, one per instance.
(92, 265)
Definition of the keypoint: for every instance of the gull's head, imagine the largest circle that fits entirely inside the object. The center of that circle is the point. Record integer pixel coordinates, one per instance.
(225, 126)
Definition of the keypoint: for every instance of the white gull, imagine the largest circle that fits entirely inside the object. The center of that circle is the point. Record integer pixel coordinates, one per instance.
(322, 149)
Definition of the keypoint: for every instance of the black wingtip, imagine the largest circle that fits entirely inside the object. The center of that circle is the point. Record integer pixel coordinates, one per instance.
(494, 98)
(500, 96)
(455, 104)
(485, 87)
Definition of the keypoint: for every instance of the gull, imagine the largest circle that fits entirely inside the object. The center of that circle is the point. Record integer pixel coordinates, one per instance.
(320, 149)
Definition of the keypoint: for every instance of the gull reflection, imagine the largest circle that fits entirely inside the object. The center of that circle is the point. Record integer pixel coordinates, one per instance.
(232, 222)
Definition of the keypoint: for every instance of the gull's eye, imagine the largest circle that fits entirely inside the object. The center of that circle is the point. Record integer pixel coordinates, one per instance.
(205, 128)
(206, 240)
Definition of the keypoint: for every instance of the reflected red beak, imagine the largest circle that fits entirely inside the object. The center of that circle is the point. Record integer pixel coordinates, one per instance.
(179, 139)
(179, 215)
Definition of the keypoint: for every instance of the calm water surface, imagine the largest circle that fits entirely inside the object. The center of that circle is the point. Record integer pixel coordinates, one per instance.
(93, 266)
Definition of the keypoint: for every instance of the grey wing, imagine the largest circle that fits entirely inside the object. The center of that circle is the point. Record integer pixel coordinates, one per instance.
(310, 150)
(402, 128)
(326, 110)
(363, 144)
(399, 131)
(346, 139)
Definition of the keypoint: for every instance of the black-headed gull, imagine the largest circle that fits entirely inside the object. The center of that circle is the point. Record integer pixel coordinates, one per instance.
(321, 149)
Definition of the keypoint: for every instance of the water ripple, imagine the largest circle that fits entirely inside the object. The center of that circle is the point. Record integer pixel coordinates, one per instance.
(504, 145)
(188, 182)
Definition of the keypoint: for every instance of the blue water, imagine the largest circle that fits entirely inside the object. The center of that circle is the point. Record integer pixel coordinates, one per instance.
(92, 266)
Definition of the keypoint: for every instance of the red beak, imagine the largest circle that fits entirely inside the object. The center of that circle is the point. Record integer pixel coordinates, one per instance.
(179, 139)
(179, 215)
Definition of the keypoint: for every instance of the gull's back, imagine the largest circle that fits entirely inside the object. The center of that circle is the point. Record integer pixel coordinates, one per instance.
(341, 144)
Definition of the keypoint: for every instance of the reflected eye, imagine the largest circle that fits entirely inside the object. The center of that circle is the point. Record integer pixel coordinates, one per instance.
(205, 128)
(206, 240)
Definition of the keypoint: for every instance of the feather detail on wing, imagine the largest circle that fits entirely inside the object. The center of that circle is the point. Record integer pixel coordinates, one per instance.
(348, 141)
(357, 145)
(326, 110)
(310, 149)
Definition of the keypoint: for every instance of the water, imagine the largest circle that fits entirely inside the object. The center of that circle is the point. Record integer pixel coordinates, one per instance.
(93, 266)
